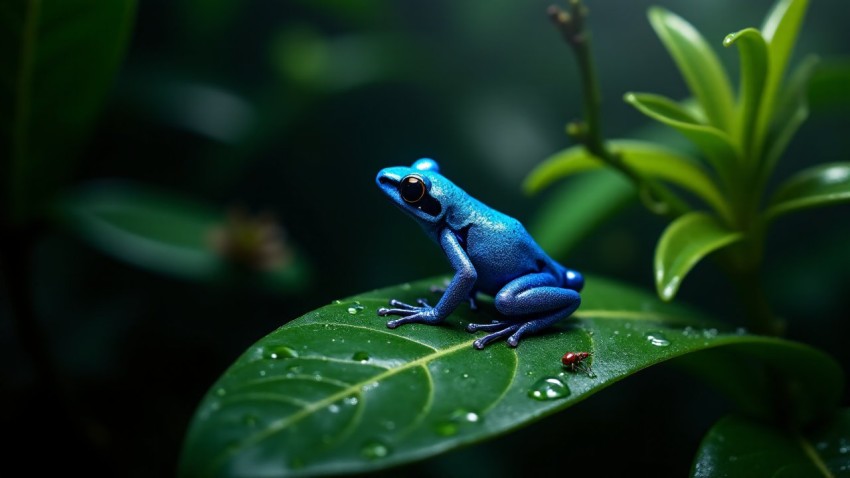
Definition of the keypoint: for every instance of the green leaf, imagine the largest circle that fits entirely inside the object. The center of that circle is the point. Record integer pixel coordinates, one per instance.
(575, 209)
(780, 30)
(740, 447)
(829, 89)
(167, 234)
(651, 160)
(792, 112)
(683, 244)
(754, 73)
(718, 147)
(698, 64)
(336, 391)
(57, 61)
(821, 185)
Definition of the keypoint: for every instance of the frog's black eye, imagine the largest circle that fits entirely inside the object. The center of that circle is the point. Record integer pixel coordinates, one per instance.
(412, 188)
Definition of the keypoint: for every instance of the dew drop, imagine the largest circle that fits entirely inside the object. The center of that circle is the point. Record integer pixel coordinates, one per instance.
(446, 428)
(360, 356)
(709, 333)
(262, 373)
(466, 375)
(355, 308)
(336, 302)
(548, 388)
(452, 425)
(374, 450)
(657, 339)
(406, 286)
(221, 392)
(281, 352)
(333, 408)
(352, 400)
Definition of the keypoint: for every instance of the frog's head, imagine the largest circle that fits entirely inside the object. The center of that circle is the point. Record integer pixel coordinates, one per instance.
(419, 190)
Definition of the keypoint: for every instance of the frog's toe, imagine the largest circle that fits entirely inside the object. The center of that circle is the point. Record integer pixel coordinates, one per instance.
(506, 330)
(495, 325)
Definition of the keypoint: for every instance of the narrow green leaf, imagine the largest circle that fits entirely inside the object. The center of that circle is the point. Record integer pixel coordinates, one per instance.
(57, 61)
(754, 73)
(169, 235)
(576, 208)
(821, 185)
(792, 111)
(740, 447)
(651, 160)
(718, 147)
(780, 30)
(683, 244)
(699, 65)
(336, 391)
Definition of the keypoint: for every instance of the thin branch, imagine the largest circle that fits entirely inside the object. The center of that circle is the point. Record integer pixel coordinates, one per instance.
(572, 25)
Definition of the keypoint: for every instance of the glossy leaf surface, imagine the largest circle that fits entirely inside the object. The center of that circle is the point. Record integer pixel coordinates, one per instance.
(821, 185)
(574, 209)
(699, 65)
(163, 233)
(718, 147)
(57, 61)
(651, 160)
(683, 244)
(739, 447)
(337, 391)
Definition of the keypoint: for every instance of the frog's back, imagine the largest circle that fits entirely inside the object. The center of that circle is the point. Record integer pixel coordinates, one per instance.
(501, 250)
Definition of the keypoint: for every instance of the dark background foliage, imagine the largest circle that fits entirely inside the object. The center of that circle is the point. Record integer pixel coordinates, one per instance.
(292, 107)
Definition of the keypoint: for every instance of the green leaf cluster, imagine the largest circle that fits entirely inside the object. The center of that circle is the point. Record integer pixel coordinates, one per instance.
(739, 139)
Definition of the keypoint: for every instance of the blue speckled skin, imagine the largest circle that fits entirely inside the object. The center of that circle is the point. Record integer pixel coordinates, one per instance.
(490, 252)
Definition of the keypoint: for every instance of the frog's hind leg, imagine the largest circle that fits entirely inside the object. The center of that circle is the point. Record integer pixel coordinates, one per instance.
(534, 302)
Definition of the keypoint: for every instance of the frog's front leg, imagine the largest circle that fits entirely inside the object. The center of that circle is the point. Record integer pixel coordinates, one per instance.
(531, 303)
(457, 291)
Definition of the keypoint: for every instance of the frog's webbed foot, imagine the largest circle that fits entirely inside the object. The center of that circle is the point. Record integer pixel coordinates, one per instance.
(423, 313)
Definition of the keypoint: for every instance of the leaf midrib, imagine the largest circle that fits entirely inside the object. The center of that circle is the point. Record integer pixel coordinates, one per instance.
(353, 388)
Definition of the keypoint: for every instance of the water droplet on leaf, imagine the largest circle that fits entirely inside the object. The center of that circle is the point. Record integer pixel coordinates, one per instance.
(360, 356)
(548, 388)
(374, 450)
(281, 352)
(355, 308)
(657, 339)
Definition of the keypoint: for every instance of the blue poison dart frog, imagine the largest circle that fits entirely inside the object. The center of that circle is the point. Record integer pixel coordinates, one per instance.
(490, 253)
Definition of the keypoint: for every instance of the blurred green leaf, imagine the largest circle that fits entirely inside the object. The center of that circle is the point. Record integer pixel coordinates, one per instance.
(166, 234)
(336, 391)
(57, 61)
(829, 88)
(740, 447)
(820, 185)
(754, 73)
(780, 30)
(792, 111)
(651, 160)
(683, 244)
(576, 208)
(699, 65)
(718, 147)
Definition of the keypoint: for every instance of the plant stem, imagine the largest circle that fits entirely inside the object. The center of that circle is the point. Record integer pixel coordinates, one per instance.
(572, 26)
